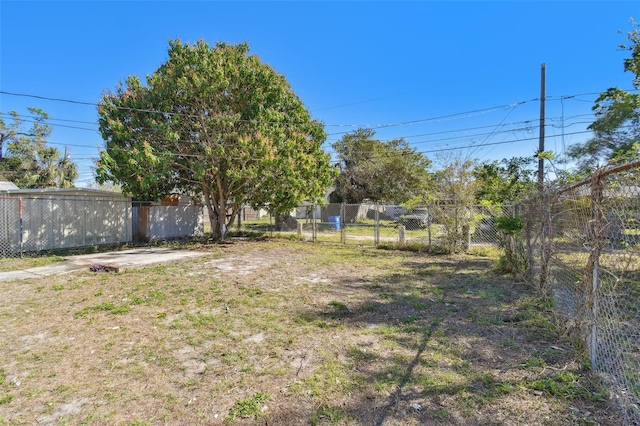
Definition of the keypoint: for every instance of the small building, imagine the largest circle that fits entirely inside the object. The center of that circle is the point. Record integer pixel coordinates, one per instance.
(7, 186)
(54, 218)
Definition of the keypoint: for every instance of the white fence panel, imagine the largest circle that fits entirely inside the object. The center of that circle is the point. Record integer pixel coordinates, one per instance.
(183, 220)
(54, 223)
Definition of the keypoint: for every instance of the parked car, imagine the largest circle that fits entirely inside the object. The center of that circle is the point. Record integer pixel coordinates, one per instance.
(394, 212)
(417, 219)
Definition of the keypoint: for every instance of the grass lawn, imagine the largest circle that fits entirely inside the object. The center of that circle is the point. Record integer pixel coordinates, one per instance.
(280, 332)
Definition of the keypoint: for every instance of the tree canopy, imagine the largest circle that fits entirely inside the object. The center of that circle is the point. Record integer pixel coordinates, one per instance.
(617, 125)
(505, 182)
(27, 160)
(376, 170)
(218, 124)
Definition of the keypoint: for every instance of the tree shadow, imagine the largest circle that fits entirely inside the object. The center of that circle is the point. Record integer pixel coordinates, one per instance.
(483, 322)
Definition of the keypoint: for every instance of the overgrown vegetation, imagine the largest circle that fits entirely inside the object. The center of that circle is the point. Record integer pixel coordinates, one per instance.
(513, 259)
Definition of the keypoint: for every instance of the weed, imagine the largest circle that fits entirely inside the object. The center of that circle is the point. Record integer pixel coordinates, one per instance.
(439, 382)
(251, 292)
(441, 414)
(369, 307)
(136, 300)
(138, 423)
(201, 320)
(109, 307)
(484, 251)
(493, 388)
(331, 378)
(249, 407)
(304, 318)
(409, 319)
(338, 305)
(6, 399)
(534, 361)
(360, 355)
(511, 342)
(565, 385)
(326, 413)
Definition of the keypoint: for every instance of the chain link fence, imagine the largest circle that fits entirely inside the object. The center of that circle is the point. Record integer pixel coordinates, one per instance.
(35, 224)
(374, 224)
(580, 246)
(11, 227)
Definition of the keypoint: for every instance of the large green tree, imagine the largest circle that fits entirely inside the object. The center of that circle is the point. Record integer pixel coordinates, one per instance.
(505, 182)
(25, 157)
(218, 124)
(617, 125)
(376, 170)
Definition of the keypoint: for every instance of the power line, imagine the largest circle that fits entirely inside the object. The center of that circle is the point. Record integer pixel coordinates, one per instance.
(460, 115)
(373, 126)
(46, 98)
(481, 145)
(383, 125)
(48, 118)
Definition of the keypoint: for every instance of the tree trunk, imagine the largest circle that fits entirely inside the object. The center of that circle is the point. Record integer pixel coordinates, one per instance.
(278, 220)
(217, 217)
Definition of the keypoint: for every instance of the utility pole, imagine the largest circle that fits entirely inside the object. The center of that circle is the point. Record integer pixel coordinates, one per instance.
(541, 142)
(544, 252)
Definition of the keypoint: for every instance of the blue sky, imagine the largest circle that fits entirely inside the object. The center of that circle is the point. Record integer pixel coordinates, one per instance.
(457, 76)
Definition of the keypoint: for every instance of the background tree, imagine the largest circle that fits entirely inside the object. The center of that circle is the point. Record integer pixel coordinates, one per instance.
(374, 170)
(456, 188)
(28, 161)
(617, 125)
(217, 124)
(507, 181)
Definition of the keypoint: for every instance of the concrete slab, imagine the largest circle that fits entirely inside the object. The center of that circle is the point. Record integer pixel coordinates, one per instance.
(120, 260)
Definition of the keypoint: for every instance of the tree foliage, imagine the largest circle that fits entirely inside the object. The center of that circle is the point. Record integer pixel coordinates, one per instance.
(505, 182)
(456, 188)
(25, 158)
(214, 123)
(375, 170)
(617, 125)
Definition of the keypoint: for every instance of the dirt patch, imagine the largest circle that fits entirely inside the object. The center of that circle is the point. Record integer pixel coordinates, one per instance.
(286, 333)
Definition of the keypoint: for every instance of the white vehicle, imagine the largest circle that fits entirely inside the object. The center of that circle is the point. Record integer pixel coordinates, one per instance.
(417, 219)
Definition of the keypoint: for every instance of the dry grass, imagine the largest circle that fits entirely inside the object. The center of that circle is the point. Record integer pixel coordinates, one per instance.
(282, 333)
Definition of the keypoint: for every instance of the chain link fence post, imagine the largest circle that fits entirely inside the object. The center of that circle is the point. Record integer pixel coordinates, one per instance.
(594, 263)
(21, 230)
(314, 231)
(376, 225)
(429, 222)
(343, 229)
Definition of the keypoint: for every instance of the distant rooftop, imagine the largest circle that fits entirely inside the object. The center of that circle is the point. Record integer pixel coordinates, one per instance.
(7, 186)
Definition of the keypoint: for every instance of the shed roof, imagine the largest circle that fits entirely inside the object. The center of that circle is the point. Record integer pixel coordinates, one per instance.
(66, 192)
(6, 186)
